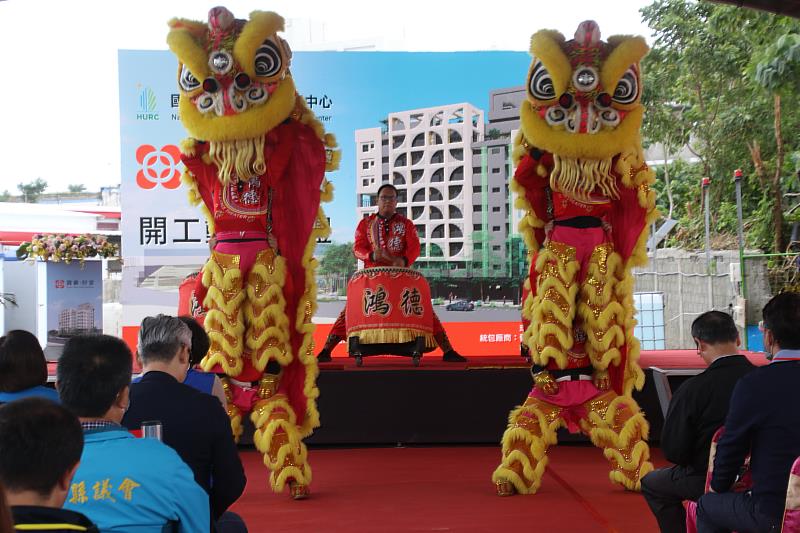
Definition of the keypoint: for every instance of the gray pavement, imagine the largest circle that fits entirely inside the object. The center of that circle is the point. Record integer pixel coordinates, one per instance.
(331, 309)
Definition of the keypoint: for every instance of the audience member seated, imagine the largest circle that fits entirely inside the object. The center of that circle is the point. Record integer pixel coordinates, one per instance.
(23, 368)
(123, 483)
(194, 424)
(764, 419)
(40, 447)
(202, 381)
(695, 412)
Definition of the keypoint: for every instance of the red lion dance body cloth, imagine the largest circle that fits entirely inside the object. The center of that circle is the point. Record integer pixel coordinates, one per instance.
(585, 187)
(256, 162)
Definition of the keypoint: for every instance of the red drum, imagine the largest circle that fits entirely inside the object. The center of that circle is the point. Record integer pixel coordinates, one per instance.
(188, 299)
(389, 305)
(185, 295)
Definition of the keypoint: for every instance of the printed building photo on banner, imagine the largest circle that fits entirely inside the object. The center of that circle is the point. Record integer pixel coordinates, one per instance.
(74, 302)
(437, 126)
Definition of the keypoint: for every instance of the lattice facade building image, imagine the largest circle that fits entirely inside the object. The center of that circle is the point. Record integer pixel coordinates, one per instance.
(451, 169)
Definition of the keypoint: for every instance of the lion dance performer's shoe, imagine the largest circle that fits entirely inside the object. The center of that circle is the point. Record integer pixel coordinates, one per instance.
(324, 355)
(449, 354)
(505, 488)
(298, 491)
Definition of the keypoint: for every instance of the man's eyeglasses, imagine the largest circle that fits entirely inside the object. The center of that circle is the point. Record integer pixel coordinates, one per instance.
(387, 198)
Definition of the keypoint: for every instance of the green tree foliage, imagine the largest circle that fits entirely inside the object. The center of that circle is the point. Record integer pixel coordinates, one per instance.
(76, 187)
(5, 196)
(493, 134)
(699, 89)
(778, 68)
(32, 190)
(338, 259)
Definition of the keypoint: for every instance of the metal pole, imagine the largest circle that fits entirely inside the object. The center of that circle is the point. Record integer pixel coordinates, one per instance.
(680, 302)
(706, 185)
(655, 256)
(737, 179)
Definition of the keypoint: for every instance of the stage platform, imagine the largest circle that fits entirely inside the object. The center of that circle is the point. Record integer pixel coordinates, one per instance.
(389, 401)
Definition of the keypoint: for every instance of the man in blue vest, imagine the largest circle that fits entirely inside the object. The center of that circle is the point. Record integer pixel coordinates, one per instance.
(123, 483)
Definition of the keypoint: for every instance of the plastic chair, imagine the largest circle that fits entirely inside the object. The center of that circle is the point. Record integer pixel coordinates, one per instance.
(791, 513)
(743, 483)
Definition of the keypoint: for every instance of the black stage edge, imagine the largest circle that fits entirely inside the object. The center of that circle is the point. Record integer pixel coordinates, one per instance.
(419, 406)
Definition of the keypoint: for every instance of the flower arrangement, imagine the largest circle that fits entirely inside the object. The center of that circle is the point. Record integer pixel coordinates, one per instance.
(67, 248)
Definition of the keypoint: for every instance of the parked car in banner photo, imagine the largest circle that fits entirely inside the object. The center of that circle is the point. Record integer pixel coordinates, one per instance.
(461, 305)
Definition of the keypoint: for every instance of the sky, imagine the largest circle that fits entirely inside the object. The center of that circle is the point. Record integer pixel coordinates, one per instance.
(60, 84)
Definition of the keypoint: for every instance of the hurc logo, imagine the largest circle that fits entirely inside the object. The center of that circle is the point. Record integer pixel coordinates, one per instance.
(158, 166)
(147, 100)
(146, 109)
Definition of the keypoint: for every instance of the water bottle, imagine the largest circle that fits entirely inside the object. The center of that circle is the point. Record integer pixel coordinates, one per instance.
(151, 429)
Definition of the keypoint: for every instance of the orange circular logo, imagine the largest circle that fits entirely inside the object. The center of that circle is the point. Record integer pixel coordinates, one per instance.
(158, 166)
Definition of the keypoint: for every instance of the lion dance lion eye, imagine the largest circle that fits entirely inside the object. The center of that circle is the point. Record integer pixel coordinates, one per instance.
(187, 81)
(627, 90)
(541, 85)
(268, 60)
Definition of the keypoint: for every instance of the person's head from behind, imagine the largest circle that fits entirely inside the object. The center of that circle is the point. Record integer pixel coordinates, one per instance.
(781, 323)
(715, 334)
(387, 200)
(200, 341)
(164, 344)
(40, 447)
(93, 376)
(22, 362)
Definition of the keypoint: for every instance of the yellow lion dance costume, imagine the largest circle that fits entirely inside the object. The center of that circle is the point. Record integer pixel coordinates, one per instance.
(585, 187)
(256, 162)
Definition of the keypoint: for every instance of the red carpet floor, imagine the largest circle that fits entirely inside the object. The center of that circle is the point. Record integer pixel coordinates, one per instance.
(443, 489)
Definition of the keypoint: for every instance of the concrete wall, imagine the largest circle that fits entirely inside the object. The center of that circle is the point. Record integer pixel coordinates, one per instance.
(689, 290)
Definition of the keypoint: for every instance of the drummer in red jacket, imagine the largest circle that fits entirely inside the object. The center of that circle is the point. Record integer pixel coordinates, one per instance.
(387, 238)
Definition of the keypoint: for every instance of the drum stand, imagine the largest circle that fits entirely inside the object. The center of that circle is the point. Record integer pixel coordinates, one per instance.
(413, 349)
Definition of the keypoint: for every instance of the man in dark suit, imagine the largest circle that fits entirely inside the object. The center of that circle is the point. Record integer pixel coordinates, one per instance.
(764, 419)
(695, 412)
(194, 424)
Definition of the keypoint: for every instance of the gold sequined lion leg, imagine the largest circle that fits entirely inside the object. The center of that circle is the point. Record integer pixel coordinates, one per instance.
(553, 306)
(278, 438)
(600, 310)
(224, 320)
(531, 430)
(267, 333)
(616, 424)
(224, 323)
